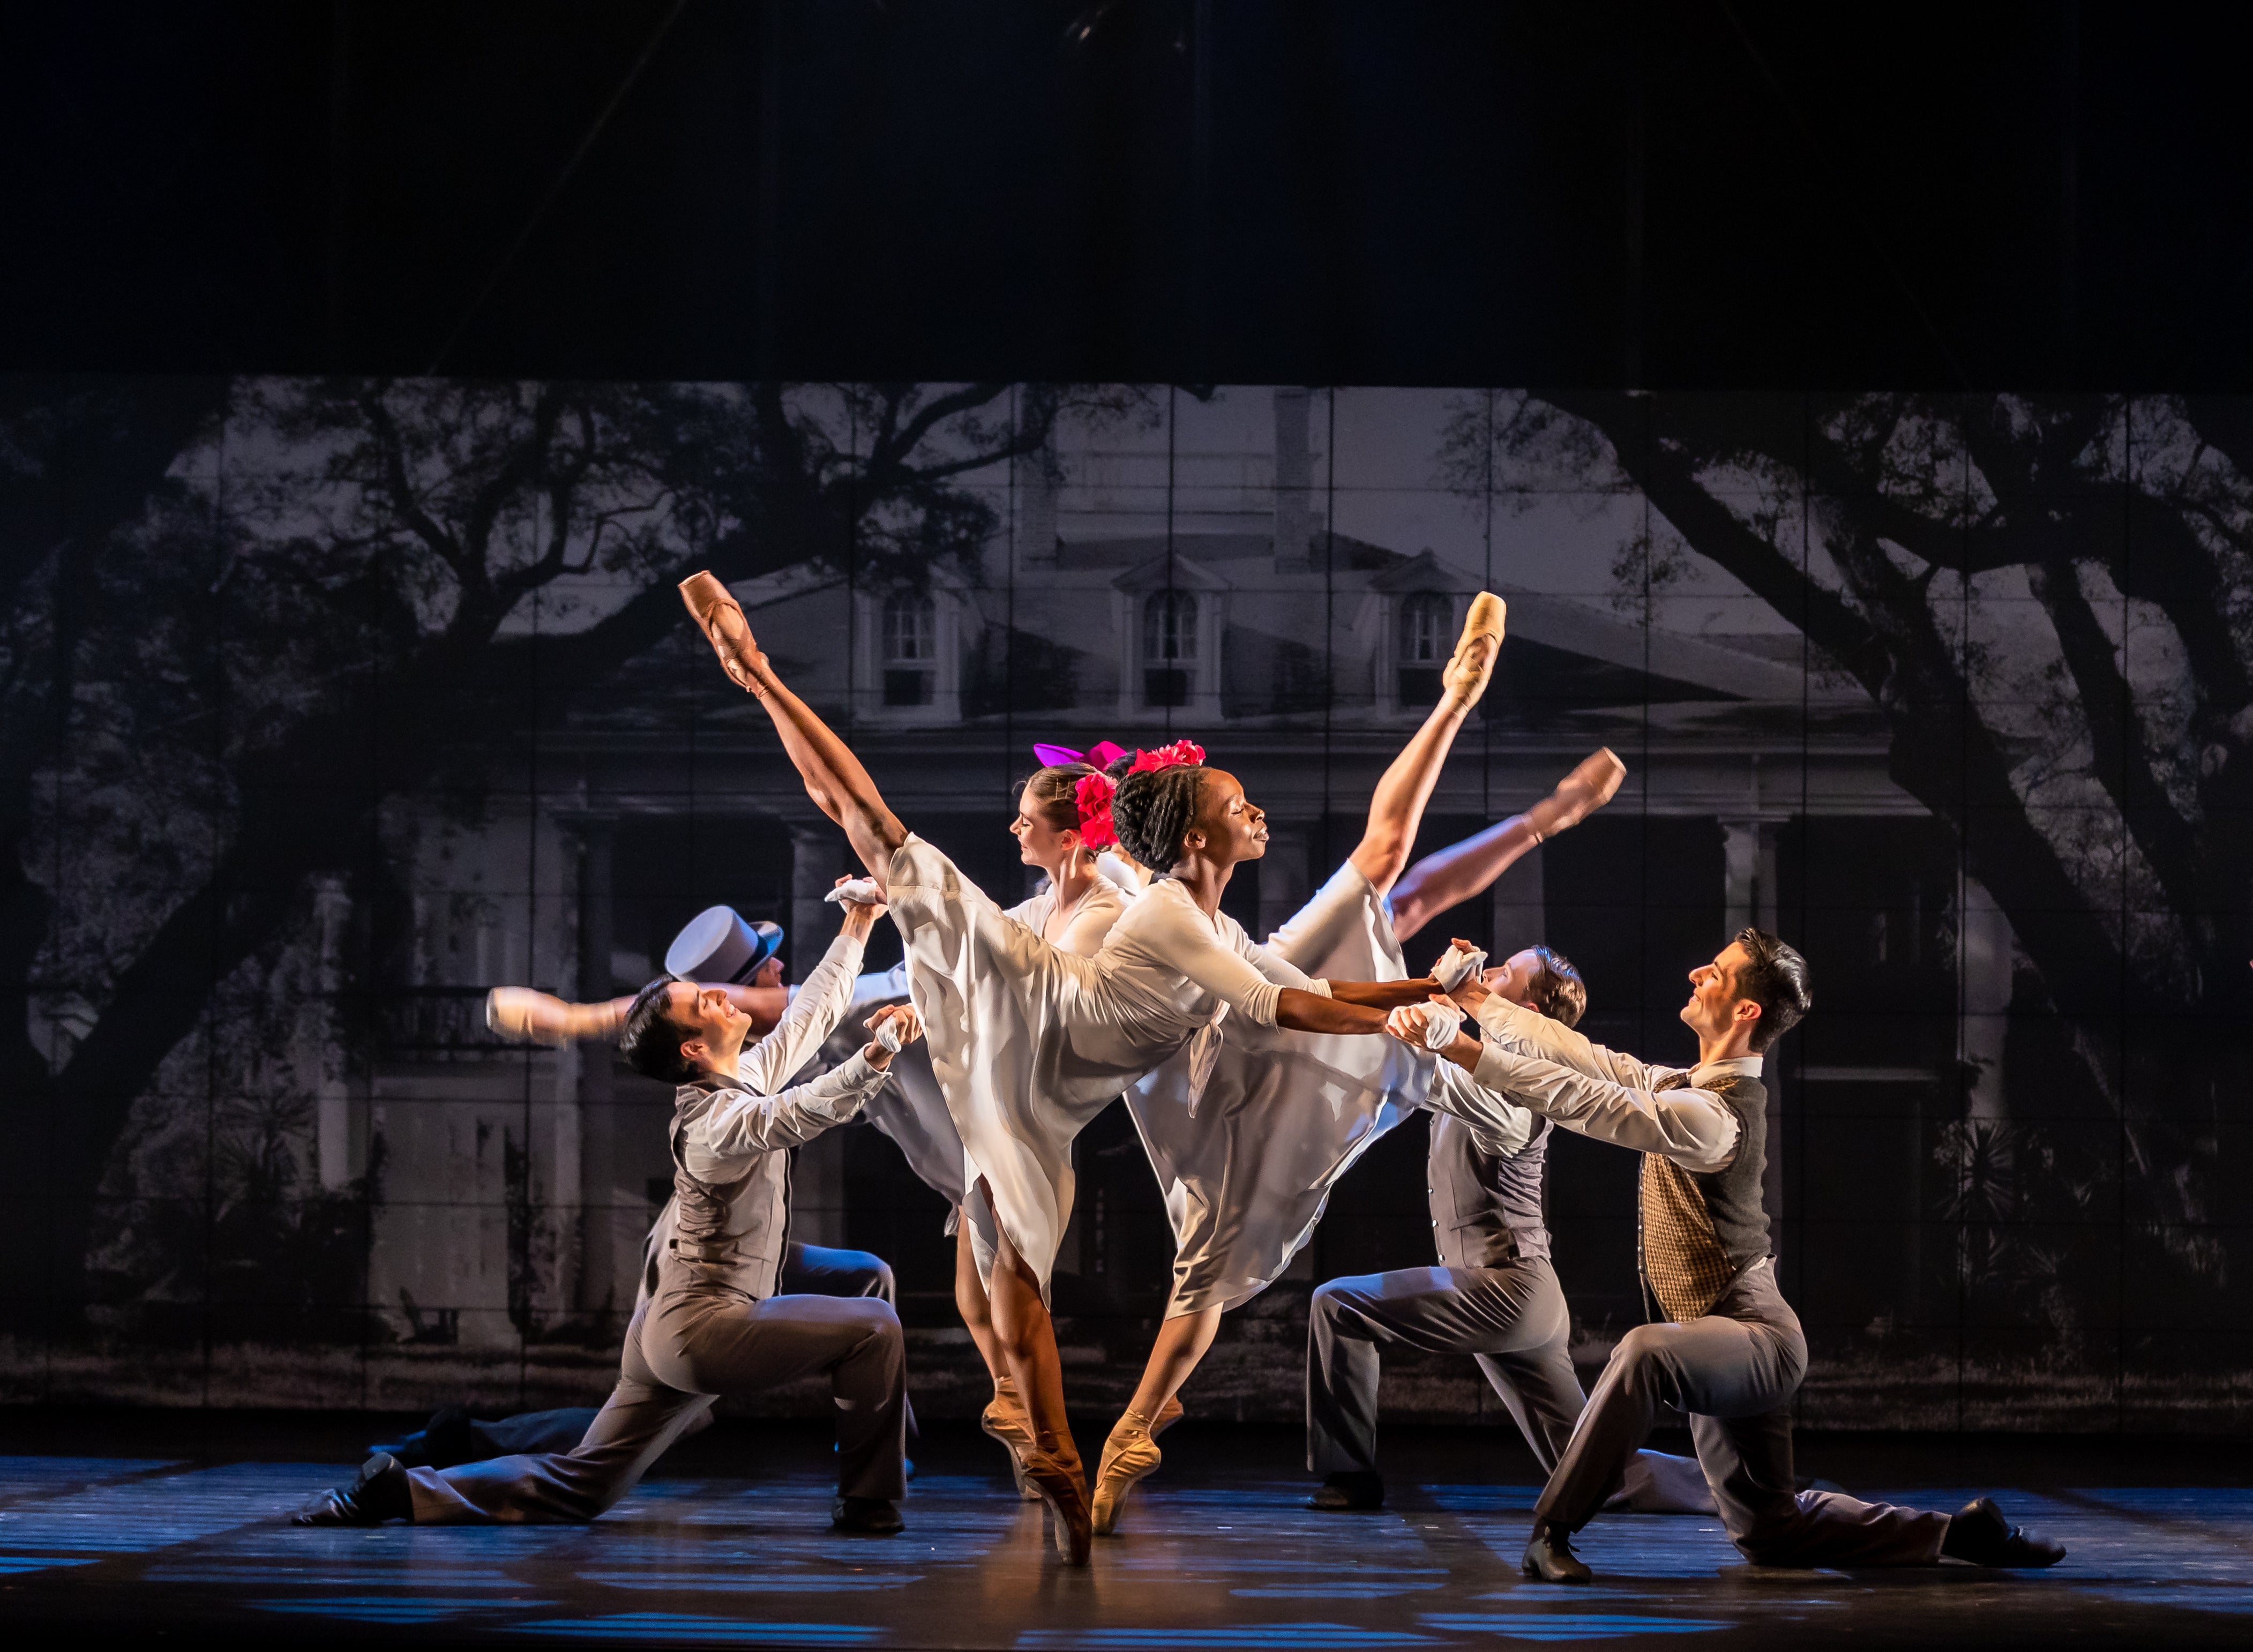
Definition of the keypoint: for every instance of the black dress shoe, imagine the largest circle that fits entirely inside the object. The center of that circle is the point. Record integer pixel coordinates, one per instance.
(1351, 1489)
(1979, 1533)
(872, 1517)
(1550, 1557)
(380, 1494)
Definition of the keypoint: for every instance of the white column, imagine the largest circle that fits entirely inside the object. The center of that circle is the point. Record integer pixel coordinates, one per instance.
(819, 856)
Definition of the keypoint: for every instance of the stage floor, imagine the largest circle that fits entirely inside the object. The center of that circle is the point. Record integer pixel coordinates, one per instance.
(173, 1525)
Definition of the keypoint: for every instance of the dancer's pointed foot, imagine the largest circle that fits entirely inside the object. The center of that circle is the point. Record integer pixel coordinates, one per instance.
(524, 1016)
(1550, 1557)
(1579, 794)
(1979, 1533)
(1052, 1467)
(1129, 1456)
(1467, 675)
(1004, 1419)
(719, 617)
(379, 1493)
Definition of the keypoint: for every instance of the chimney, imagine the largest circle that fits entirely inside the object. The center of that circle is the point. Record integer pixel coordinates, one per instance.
(1038, 474)
(1294, 471)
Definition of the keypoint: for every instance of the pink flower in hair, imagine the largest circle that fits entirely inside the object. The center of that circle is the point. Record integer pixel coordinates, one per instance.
(1167, 756)
(1093, 798)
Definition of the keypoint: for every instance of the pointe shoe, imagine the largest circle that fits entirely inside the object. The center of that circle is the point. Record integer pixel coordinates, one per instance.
(1579, 794)
(523, 1017)
(1004, 1419)
(1063, 1487)
(1129, 1456)
(1467, 675)
(719, 617)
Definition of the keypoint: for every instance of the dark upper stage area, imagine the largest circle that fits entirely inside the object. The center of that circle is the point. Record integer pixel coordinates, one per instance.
(1725, 193)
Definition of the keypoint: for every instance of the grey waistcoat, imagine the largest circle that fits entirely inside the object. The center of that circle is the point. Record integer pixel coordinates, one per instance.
(1486, 1206)
(727, 1235)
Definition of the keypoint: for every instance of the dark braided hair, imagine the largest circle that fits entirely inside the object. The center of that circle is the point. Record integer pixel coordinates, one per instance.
(1152, 812)
(1560, 994)
(1056, 789)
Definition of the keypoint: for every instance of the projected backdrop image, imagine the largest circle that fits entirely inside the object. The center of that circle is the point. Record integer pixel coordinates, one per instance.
(326, 706)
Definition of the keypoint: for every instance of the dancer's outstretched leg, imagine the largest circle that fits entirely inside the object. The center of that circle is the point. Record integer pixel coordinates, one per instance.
(1396, 807)
(1396, 813)
(1465, 870)
(1027, 1337)
(833, 776)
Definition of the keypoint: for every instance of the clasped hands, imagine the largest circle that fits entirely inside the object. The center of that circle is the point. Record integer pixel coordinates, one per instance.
(896, 1027)
(1437, 1024)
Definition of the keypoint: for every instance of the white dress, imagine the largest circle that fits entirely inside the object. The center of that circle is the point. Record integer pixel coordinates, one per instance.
(1246, 1160)
(912, 1109)
(1029, 1042)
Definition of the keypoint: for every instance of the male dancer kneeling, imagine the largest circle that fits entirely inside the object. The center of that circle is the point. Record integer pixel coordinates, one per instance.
(1730, 1353)
(714, 1325)
(1494, 1295)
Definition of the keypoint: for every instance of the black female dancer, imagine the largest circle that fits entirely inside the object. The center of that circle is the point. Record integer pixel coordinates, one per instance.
(1019, 1027)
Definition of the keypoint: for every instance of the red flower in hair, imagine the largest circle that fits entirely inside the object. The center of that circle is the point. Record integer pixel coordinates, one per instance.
(1167, 756)
(1091, 797)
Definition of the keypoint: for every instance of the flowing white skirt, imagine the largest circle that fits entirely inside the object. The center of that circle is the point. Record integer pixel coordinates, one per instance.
(1248, 1165)
(1026, 1043)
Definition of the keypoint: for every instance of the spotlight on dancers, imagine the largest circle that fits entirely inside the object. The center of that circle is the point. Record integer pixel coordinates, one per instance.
(1026, 1037)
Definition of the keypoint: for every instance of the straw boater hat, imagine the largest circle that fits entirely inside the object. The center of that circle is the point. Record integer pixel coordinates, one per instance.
(717, 946)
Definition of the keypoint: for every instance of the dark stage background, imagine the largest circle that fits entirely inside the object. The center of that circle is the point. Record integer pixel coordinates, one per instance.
(371, 373)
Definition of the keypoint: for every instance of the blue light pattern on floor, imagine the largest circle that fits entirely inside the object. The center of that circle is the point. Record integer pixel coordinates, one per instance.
(1241, 1564)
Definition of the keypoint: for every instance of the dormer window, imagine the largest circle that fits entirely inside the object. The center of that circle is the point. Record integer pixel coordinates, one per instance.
(1170, 647)
(909, 641)
(1427, 624)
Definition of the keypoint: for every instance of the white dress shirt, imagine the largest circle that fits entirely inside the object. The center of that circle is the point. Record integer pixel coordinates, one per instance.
(1607, 1096)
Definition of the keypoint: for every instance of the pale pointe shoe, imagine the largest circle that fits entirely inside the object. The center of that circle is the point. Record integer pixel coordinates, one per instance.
(523, 1017)
(719, 617)
(1468, 674)
(1129, 1456)
(1052, 1469)
(527, 1017)
(1004, 1419)
(1579, 794)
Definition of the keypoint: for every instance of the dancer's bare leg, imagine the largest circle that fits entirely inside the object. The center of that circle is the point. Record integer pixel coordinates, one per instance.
(528, 1015)
(1464, 870)
(1027, 1337)
(835, 779)
(1183, 1341)
(1396, 807)
(970, 1301)
(1004, 1418)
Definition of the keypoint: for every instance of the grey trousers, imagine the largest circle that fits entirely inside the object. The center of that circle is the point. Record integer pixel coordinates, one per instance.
(1512, 1320)
(811, 1269)
(1734, 1371)
(685, 1349)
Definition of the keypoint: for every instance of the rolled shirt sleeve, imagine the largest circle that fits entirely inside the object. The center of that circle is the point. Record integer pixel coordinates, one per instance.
(815, 1009)
(741, 1126)
(1694, 1128)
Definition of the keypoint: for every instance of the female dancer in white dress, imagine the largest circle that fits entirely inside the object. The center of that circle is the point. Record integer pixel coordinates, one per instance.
(1021, 1031)
(1247, 1170)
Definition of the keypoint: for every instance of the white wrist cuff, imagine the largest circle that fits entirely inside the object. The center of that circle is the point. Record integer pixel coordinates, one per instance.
(860, 891)
(887, 1035)
(1455, 965)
